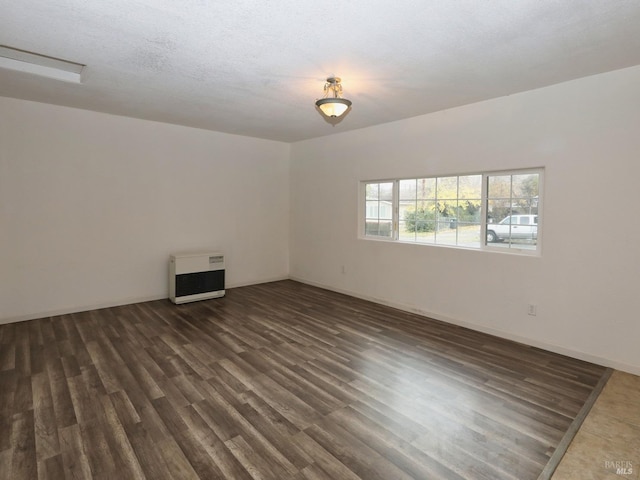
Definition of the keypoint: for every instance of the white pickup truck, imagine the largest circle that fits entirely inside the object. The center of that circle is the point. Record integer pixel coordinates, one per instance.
(514, 227)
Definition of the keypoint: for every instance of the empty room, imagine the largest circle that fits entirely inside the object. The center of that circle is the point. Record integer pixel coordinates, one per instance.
(319, 240)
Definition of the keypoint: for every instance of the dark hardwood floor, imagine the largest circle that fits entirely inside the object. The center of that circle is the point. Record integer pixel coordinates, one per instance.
(277, 381)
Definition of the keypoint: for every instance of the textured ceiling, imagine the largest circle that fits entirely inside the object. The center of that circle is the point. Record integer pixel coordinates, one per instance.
(255, 68)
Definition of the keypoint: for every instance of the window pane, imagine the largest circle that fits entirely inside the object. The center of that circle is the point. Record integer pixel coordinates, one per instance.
(379, 209)
(447, 208)
(426, 189)
(470, 186)
(404, 233)
(447, 187)
(498, 210)
(385, 210)
(376, 228)
(371, 227)
(384, 229)
(512, 215)
(386, 191)
(420, 221)
(372, 209)
(446, 222)
(469, 234)
(499, 186)
(469, 211)
(407, 219)
(372, 191)
(426, 236)
(525, 193)
(525, 186)
(408, 189)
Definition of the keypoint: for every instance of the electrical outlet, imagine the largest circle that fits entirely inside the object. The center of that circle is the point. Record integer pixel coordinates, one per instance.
(343, 270)
(532, 309)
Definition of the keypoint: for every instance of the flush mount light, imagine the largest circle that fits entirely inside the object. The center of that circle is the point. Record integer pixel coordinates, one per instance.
(333, 105)
(21, 61)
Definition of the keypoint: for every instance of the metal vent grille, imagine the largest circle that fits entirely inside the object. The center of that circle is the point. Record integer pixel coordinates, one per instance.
(200, 282)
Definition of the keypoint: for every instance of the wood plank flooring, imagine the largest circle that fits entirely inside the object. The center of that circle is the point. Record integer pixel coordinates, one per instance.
(277, 381)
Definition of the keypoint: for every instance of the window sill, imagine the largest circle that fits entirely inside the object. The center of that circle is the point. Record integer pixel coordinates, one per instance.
(523, 252)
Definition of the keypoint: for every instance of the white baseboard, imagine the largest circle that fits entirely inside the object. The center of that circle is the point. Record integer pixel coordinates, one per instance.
(117, 303)
(633, 369)
(258, 282)
(82, 308)
(587, 357)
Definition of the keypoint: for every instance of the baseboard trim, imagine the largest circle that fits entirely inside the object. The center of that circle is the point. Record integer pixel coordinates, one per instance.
(258, 282)
(82, 308)
(635, 370)
(118, 303)
(587, 357)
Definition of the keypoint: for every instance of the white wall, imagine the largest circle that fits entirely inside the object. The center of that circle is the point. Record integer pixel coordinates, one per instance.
(91, 205)
(585, 133)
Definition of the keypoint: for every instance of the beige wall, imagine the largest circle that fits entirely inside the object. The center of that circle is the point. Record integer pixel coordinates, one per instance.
(585, 133)
(91, 205)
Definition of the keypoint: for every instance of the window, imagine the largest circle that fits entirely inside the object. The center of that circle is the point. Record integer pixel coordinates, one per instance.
(491, 210)
(443, 210)
(379, 209)
(515, 199)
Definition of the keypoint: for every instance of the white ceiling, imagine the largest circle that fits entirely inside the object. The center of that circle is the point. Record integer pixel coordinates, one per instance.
(255, 67)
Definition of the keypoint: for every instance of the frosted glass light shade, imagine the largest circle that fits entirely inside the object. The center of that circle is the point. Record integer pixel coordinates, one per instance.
(333, 107)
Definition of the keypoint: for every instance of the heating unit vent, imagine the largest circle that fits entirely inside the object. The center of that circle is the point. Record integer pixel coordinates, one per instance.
(196, 276)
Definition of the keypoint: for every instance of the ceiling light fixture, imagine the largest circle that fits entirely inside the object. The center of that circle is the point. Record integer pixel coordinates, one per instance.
(333, 105)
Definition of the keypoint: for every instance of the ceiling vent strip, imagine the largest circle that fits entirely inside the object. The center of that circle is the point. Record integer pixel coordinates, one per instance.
(27, 62)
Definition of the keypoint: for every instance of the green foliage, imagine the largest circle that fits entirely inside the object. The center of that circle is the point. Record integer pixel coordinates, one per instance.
(420, 220)
(424, 220)
(529, 186)
(469, 211)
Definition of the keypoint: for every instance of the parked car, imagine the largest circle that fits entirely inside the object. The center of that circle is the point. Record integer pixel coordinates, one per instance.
(514, 227)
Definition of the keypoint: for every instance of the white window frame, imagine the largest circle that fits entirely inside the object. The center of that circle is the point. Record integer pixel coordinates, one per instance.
(484, 245)
(362, 211)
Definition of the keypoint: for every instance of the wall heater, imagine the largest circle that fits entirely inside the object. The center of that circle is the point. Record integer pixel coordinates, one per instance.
(196, 276)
